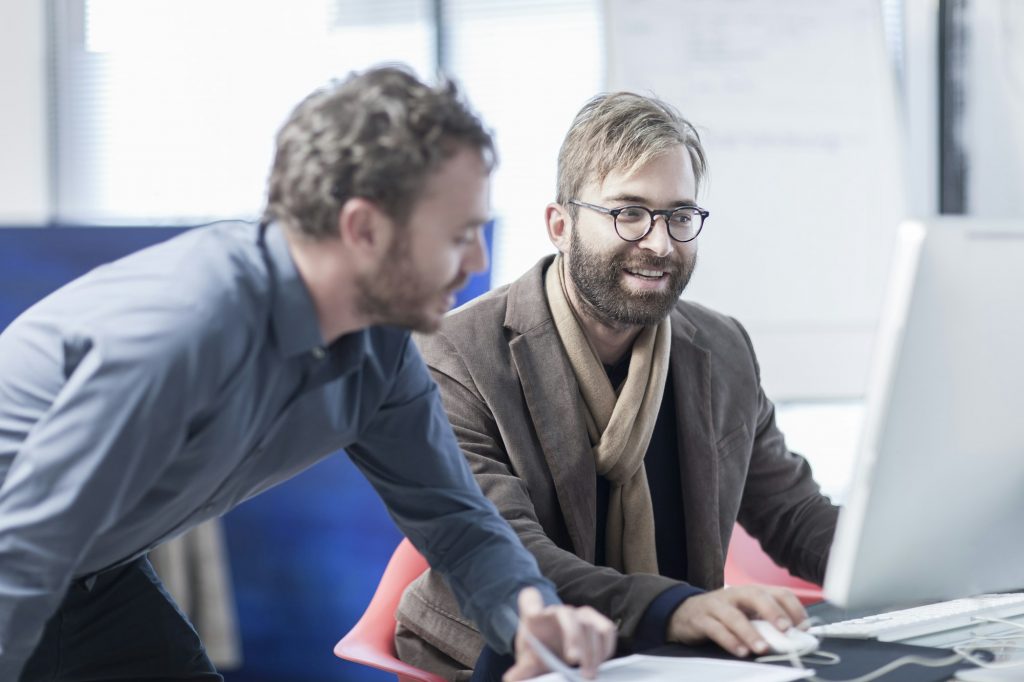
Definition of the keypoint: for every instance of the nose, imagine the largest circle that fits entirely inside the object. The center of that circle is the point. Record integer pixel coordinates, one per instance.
(475, 259)
(657, 240)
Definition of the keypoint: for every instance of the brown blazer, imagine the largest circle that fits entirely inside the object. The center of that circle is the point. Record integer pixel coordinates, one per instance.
(513, 401)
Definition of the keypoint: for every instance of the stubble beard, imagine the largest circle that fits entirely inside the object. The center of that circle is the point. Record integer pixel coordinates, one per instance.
(397, 295)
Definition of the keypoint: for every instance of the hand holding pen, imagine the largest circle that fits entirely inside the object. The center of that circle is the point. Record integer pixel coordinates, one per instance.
(549, 637)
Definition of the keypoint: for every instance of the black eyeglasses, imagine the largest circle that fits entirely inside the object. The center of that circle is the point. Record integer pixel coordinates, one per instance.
(633, 223)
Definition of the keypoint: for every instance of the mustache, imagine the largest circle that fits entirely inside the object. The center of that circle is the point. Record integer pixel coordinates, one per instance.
(666, 264)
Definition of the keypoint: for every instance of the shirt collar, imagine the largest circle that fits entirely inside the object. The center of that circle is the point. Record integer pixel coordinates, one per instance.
(293, 316)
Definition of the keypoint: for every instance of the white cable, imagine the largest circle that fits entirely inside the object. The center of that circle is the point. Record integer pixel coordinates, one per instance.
(968, 652)
(1002, 621)
(798, 659)
(964, 652)
(981, 637)
(812, 659)
(899, 663)
(994, 644)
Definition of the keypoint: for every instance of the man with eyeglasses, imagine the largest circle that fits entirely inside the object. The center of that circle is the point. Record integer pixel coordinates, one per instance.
(621, 431)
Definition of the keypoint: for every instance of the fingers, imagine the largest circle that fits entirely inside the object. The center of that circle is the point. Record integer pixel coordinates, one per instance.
(606, 633)
(597, 639)
(583, 633)
(794, 609)
(723, 636)
(530, 602)
(523, 669)
(739, 636)
(573, 646)
(776, 605)
(579, 636)
(723, 616)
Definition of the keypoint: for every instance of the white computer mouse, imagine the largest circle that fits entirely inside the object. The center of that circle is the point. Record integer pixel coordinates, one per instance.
(792, 640)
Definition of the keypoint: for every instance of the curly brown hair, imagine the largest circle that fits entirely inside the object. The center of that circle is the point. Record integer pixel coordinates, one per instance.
(377, 135)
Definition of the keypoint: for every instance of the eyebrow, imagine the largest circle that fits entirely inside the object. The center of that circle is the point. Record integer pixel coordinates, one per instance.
(637, 199)
(474, 223)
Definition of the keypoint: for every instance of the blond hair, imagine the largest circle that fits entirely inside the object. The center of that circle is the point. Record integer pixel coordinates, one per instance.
(621, 131)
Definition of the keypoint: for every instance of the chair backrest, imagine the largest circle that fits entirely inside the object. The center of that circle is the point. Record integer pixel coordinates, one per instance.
(371, 641)
(747, 563)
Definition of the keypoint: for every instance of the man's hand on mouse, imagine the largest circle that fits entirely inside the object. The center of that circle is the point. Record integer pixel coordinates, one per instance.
(724, 616)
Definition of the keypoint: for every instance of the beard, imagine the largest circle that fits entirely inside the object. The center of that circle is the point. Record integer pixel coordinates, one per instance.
(598, 281)
(401, 296)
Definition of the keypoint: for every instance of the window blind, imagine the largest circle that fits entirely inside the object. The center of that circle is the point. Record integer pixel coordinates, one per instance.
(166, 109)
(528, 66)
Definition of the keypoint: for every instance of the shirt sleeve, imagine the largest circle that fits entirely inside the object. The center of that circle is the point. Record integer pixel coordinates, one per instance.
(85, 461)
(410, 456)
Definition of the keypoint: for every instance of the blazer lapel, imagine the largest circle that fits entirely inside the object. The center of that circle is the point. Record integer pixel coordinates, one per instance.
(690, 367)
(553, 400)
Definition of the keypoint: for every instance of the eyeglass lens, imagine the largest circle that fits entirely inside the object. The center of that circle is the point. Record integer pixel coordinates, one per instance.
(633, 222)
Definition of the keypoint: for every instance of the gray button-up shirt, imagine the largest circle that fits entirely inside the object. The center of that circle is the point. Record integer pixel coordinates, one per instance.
(165, 388)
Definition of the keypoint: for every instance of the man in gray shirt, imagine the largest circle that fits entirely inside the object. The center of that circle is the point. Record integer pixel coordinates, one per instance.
(166, 388)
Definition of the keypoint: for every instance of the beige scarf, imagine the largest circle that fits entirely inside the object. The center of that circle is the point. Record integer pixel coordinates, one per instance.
(619, 424)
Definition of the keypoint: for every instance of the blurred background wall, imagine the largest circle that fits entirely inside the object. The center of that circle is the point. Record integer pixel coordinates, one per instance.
(126, 121)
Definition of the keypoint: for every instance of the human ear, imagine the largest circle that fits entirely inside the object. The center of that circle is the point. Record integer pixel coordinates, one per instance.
(363, 228)
(559, 224)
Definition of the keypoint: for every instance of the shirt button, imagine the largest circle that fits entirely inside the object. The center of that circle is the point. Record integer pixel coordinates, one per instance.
(319, 353)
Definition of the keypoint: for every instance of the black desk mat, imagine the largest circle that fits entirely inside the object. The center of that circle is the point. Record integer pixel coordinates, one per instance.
(857, 657)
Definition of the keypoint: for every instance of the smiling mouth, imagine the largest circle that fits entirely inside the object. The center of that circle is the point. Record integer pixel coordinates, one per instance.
(645, 273)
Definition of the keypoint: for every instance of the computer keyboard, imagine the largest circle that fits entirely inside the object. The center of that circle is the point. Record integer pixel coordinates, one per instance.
(918, 621)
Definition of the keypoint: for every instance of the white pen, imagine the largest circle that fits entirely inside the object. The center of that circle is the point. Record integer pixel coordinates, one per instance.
(553, 662)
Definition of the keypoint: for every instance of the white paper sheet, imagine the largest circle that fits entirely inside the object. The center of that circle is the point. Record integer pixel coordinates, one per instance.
(640, 668)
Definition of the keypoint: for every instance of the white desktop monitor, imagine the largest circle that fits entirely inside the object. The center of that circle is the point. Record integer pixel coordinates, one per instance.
(936, 507)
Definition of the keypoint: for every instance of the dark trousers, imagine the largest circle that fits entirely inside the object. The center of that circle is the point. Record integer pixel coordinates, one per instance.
(120, 625)
(491, 666)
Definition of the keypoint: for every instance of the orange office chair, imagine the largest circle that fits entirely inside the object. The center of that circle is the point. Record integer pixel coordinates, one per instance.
(747, 563)
(371, 641)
